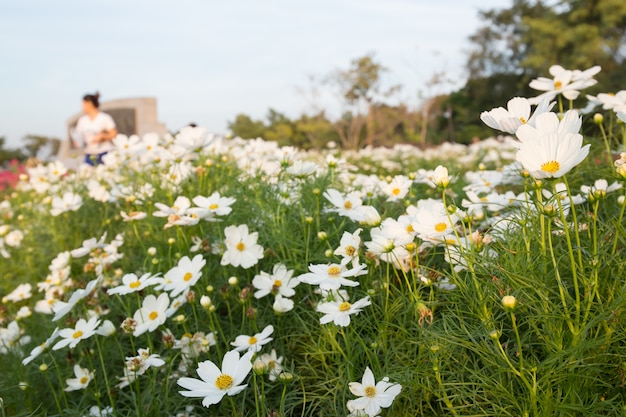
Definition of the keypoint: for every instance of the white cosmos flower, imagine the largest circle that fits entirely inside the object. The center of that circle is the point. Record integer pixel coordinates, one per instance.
(213, 205)
(339, 311)
(133, 215)
(81, 331)
(68, 202)
(253, 343)
(107, 328)
(82, 380)
(95, 411)
(565, 82)
(333, 276)
(271, 362)
(61, 308)
(282, 304)
(515, 115)
(397, 188)
(242, 248)
(349, 248)
(176, 303)
(600, 188)
(12, 337)
(215, 383)
(302, 169)
(347, 205)
(151, 314)
(184, 275)
(440, 177)
(546, 153)
(88, 246)
(280, 281)
(38, 350)
(20, 293)
(373, 396)
(130, 283)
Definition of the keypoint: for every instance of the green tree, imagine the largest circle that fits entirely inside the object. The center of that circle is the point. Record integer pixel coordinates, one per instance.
(243, 126)
(8, 154)
(360, 90)
(519, 43)
(42, 147)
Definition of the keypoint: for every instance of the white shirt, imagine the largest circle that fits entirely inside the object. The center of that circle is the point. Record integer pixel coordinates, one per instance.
(87, 129)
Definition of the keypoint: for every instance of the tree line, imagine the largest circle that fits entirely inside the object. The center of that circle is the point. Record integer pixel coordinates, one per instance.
(513, 46)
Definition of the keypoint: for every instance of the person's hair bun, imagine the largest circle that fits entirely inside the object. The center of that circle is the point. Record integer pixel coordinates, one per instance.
(97, 95)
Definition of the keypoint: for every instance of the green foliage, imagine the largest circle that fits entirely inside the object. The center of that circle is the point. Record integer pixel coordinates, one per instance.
(559, 351)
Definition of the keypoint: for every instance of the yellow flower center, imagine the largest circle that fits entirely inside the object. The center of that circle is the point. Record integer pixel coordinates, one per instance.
(77, 334)
(350, 250)
(440, 227)
(213, 206)
(334, 271)
(187, 276)
(224, 382)
(410, 229)
(277, 283)
(252, 340)
(84, 380)
(134, 284)
(395, 191)
(551, 167)
(345, 306)
(153, 315)
(347, 205)
(240, 246)
(370, 391)
(523, 120)
(271, 365)
(558, 84)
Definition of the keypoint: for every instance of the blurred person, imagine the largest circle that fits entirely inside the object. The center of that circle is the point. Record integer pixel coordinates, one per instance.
(94, 130)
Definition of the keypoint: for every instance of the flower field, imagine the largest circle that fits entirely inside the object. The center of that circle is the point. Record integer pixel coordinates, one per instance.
(196, 275)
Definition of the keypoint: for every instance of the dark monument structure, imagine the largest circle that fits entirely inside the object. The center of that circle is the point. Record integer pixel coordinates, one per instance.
(133, 116)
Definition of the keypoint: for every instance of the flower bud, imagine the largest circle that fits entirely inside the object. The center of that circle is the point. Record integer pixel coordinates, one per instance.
(322, 235)
(328, 253)
(285, 376)
(152, 251)
(621, 200)
(259, 367)
(494, 334)
(43, 367)
(598, 118)
(171, 241)
(233, 281)
(205, 301)
(509, 302)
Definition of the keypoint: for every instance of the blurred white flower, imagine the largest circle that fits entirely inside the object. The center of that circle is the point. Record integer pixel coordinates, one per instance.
(82, 380)
(253, 343)
(242, 248)
(68, 202)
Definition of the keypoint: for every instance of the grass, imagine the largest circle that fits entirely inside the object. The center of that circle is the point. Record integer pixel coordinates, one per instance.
(559, 351)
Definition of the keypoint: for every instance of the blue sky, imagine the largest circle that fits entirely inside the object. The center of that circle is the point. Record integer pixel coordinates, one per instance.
(206, 61)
